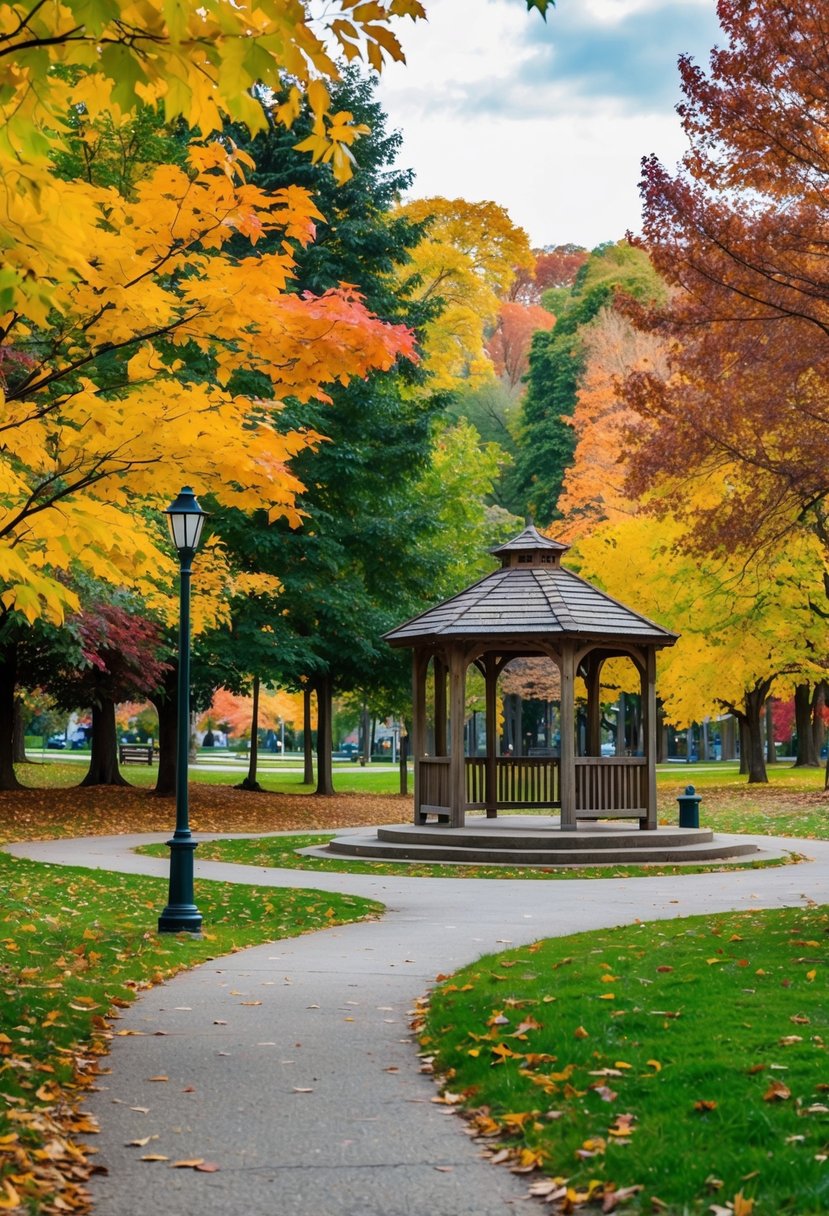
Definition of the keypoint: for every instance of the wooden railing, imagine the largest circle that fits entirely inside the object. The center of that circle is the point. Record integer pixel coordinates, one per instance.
(608, 787)
(605, 786)
(519, 781)
(433, 783)
(528, 781)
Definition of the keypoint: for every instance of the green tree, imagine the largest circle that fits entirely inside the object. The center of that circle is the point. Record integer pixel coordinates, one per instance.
(545, 440)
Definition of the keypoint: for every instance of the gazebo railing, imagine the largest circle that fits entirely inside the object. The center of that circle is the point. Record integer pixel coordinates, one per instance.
(605, 786)
(433, 783)
(611, 786)
(519, 781)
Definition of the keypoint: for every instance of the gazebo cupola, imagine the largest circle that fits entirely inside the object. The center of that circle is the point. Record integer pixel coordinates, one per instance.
(530, 548)
(531, 606)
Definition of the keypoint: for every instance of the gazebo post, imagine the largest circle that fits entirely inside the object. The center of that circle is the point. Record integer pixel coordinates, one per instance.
(457, 750)
(567, 726)
(649, 730)
(440, 706)
(593, 664)
(491, 676)
(420, 662)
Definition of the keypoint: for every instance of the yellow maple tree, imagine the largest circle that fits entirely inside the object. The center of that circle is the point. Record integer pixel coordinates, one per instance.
(467, 259)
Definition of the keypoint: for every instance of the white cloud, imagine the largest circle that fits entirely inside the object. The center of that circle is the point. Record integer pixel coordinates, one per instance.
(550, 120)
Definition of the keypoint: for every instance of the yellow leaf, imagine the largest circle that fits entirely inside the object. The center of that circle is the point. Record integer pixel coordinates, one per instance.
(9, 1198)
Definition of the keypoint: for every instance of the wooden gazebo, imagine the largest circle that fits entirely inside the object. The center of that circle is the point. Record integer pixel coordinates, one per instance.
(531, 606)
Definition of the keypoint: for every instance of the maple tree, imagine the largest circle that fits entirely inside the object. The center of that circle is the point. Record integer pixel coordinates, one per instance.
(555, 268)
(747, 628)
(120, 657)
(467, 260)
(199, 62)
(509, 346)
(739, 232)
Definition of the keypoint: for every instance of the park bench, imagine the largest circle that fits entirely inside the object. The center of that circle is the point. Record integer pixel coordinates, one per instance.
(134, 753)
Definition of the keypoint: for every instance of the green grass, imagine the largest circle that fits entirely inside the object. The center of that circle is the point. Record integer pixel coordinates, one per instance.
(704, 1039)
(74, 946)
(348, 778)
(280, 851)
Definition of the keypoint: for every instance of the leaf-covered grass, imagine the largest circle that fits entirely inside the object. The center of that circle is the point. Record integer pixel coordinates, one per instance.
(687, 1057)
(75, 946)
(281, 851)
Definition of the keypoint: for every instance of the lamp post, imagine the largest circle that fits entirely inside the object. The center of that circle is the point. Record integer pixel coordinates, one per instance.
(186, 520)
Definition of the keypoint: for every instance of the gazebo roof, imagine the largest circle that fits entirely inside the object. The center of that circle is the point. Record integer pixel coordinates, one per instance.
(531, 595)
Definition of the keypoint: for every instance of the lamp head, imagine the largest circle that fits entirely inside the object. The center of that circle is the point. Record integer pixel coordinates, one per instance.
(185, 520)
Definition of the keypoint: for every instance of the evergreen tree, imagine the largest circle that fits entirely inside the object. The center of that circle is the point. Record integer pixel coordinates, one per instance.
(545, 440)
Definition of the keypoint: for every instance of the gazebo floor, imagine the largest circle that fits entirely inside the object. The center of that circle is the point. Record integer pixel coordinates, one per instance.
(534, 840)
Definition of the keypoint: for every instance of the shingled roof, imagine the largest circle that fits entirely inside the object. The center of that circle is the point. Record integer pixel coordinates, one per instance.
(532, 594)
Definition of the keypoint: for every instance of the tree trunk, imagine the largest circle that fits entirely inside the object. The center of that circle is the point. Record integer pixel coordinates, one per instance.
(18, 734)
(620, 726)
(8, 683)
(166, 703)
(325, 779)
(250, 782)
(103, 762)
(744, 744)
(818, 726)
(307, 741)
(805, 756)
(756, 760)
(771, 750)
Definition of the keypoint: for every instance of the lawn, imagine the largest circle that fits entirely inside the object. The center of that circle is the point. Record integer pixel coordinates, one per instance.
(281, 851)
(78, 946)
(677, 1067)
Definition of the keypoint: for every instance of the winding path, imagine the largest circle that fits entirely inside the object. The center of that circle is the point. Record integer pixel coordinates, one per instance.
(290, 1065)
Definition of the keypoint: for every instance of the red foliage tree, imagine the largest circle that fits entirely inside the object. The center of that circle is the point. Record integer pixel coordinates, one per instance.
(509, 346)
(120, 660)
(740, 233)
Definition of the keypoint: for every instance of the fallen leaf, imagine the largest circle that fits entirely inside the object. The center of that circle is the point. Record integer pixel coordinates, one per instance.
(705, 1104)
(207, 1167)
(580, 1033)
(777, 1092)
(189, 1164)
(298, 1089)
(160, 1077)
(153, 1157)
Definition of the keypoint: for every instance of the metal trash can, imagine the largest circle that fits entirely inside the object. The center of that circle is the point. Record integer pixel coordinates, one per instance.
(689, 808)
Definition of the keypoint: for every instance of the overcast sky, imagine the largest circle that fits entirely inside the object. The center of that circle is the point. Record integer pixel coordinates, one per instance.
(549, 120)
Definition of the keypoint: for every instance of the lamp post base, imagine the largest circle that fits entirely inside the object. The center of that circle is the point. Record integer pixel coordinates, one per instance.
(181, 915)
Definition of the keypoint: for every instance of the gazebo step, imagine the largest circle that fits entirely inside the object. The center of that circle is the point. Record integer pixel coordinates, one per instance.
(506, 834)
(599, 854)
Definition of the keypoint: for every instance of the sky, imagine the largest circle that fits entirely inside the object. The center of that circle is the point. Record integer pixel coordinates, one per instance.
(551, 120)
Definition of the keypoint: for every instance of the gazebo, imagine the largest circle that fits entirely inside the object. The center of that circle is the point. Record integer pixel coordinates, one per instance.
(531, 606)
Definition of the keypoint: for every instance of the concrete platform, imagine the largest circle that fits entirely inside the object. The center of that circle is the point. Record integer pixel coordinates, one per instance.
(534, 840)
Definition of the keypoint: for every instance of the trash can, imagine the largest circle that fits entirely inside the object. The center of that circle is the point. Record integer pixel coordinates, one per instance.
(689, 808)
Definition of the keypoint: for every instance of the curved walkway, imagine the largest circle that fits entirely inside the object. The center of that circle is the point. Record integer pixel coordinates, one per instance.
(290, 1065)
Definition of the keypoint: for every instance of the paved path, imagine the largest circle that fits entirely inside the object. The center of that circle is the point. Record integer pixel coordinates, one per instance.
(367, 1139)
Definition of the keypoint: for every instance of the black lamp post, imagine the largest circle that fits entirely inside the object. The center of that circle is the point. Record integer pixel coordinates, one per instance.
(186, 519)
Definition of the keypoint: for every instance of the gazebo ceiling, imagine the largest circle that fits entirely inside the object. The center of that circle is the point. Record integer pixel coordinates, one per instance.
(531, 595)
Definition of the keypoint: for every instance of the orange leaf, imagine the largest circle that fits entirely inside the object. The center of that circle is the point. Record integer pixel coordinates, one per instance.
(777, 1092)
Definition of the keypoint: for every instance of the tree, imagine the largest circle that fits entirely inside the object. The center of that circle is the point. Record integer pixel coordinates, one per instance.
(199, 61)
(466, 261)
(121, 658)
(747, 629)
(509, 346)
(595, 484)
(544, 438)
(739, 232)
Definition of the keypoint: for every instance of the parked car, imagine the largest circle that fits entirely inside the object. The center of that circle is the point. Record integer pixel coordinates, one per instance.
(56, 742)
